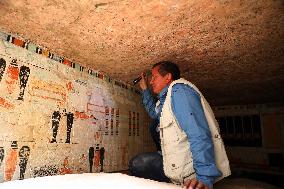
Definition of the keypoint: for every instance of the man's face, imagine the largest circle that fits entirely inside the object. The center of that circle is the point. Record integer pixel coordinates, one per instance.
(158, 82)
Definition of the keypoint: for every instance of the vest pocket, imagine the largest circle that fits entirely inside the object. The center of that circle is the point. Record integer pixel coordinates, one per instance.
(179, 166)
(169, 132)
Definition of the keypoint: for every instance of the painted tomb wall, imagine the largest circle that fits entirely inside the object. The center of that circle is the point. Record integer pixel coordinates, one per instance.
(57, 117)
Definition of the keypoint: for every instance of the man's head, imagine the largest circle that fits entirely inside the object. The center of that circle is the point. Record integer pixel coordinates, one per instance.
(163, 73)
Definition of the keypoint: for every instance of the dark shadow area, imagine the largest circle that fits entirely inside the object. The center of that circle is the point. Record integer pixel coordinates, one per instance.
(272, 178)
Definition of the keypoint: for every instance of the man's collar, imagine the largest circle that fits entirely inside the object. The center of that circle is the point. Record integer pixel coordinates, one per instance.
(163, 92)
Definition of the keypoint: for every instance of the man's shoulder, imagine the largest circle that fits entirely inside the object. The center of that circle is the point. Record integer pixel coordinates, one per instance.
(179, 88)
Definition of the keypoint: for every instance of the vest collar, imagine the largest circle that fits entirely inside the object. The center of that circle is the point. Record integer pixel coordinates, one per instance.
(163, 93)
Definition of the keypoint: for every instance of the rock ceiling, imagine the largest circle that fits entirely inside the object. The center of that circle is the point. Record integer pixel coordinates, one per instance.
(232, 50)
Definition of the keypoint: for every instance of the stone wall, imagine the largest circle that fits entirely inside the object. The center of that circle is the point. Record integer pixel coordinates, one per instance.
(57, 117)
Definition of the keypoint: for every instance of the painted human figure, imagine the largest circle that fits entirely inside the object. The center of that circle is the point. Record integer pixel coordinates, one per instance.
(2, 67)
(55, 124)
(97, 157)
(65, 169)
(11, 161)
(24, 154)
(2, 152)
(24, 76)
(12, 76)
(102, 157)
(91, 158)
(56, 117)
(70, 119)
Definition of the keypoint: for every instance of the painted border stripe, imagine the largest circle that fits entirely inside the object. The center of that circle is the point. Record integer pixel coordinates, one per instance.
(10, 38)
(82, 68)
(73, 64)
(45, 53)
(90, 71)
(77, 67)
(36, 49)
(100, 75)
(26, 45)
(3, 36)
(50, 55)
(67, 62)
(56, 58)
(32, 47)
(18, 42)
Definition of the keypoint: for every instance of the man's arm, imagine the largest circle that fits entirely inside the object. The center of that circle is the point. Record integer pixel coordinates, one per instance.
(147, 98)
(189, 113)
(149, 103)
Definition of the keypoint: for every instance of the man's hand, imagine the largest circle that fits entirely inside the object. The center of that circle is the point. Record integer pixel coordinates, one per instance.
(143, 82)
(195, 184)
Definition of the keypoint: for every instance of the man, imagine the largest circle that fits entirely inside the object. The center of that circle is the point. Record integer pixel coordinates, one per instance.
(193, 153)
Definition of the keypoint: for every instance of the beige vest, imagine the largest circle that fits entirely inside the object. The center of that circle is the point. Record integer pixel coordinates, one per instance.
(177, 157)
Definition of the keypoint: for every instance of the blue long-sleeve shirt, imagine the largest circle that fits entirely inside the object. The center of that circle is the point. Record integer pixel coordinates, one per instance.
(149, 103)
(186, 106)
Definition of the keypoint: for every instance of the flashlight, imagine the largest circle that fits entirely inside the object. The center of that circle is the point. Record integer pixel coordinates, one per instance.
(145, 74)
(136, 80)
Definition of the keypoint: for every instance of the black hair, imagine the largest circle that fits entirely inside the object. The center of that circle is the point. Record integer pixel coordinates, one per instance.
(168, 67)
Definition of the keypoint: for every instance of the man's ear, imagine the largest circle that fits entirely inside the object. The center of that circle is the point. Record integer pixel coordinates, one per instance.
(169, 77)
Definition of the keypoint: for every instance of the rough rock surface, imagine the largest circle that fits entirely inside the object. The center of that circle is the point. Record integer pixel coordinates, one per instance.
(232, 50)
